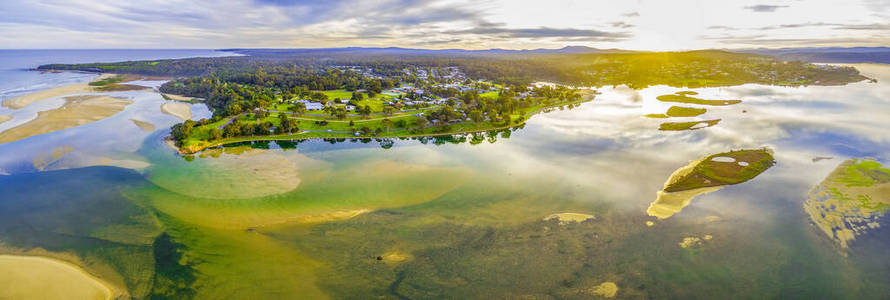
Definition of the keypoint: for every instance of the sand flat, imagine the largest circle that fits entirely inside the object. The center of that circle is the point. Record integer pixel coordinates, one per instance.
(78, 110)
(180, 110)
(145, 126)
(34, 277)
(4, 118)
(77, 88)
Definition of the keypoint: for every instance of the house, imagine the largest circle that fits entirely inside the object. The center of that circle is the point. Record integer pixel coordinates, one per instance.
(311, 105)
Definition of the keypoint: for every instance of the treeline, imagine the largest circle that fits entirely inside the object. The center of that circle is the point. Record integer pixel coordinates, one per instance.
(636, 69)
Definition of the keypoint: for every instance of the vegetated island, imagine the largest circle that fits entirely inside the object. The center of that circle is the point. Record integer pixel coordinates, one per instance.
(693, 125)
(355, 93)
(707, 175)
(693, 100)
(851, 201)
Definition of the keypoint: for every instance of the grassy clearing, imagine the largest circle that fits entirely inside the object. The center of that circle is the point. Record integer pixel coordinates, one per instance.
(708, 173)
(679, 111)
(692, 100)
(679, 126)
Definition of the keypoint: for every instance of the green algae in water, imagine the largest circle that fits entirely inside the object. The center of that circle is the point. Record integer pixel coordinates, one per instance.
(850, 201)
(82, 212)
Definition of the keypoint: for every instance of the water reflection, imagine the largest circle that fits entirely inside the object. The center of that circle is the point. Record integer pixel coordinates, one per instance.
(464, 216)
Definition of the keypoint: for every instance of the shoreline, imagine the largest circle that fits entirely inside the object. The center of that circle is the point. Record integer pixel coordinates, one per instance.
(77, 111)
(60, 266)
(77, 88)
(180, 110)
(189, 150)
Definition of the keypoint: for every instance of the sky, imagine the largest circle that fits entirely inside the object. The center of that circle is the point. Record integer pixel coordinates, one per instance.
(443, 24)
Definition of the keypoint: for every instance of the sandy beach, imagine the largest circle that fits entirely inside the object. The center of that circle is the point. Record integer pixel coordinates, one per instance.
(34, 277)
(180, 98)
(78, 110)
(180, 110)
(78, 88)
(4, 118)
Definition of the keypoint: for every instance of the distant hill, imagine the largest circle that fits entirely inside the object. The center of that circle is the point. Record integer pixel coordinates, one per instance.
(409, 51)
(829, 54)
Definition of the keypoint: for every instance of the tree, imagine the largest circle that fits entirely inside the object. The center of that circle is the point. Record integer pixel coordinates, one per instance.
(233, 109)
(421, 122)
(356, 96)
(215, 134)
(388, 110)
(298, 108)
(365, 110)
(476, 116)
(386, 123)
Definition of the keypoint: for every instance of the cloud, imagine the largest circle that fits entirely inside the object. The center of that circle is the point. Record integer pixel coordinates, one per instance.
(545, 32)
(621, 25)
(875, 26)
(473, 24)
(765, 8)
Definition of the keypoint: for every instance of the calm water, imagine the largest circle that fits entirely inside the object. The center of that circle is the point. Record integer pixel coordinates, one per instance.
(420, 220)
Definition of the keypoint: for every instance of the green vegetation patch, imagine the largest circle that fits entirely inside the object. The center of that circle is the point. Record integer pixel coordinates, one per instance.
(107, 81)
(657, 116)
(693, 100)
(742, 165)
(687, 93)
(851, 201)
(863, 173)
(679, 111)
(678, 126)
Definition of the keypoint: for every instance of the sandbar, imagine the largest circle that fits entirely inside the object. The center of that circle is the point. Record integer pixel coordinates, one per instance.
(34, 277)
(4, 118)
(180, 110)
(567, 218)
(76, 111)
(77, 88)
(606, 289)
(145, 126)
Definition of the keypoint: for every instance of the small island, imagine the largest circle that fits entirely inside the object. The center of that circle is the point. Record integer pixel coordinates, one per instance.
(707, 175)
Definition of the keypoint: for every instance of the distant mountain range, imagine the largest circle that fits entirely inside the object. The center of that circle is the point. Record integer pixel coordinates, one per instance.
(828, 54)
(409, 51)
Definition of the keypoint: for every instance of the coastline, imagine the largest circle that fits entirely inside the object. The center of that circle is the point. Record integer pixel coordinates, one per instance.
(77, 88)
